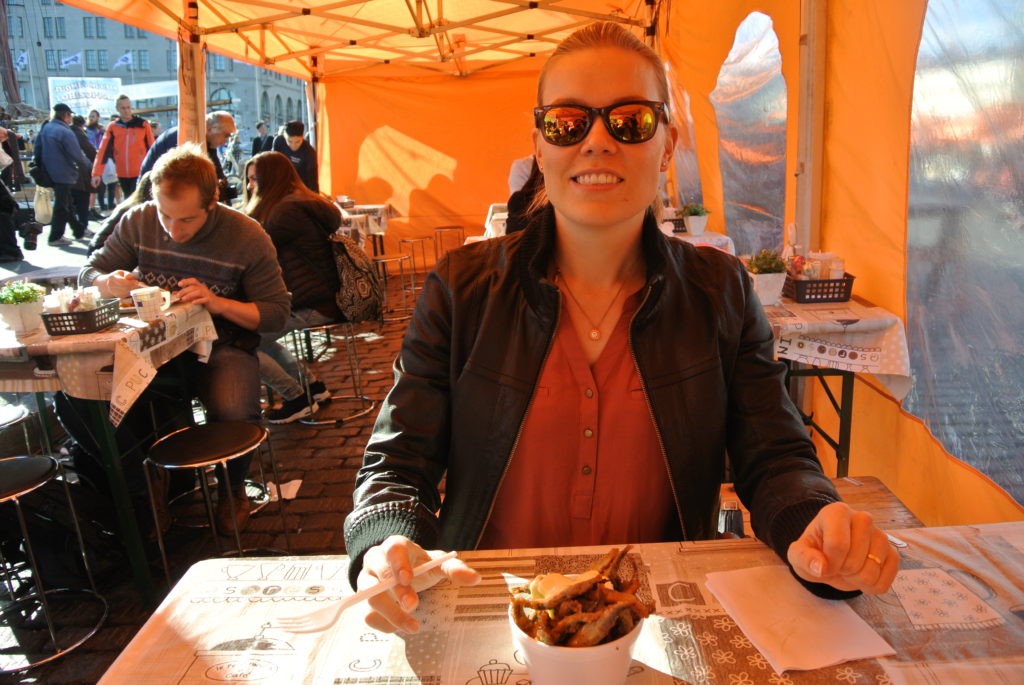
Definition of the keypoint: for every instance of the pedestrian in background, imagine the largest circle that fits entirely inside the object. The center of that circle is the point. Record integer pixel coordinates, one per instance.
(62, 156)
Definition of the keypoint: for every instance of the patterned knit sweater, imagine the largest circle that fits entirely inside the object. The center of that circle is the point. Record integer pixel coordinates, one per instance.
(231, 255)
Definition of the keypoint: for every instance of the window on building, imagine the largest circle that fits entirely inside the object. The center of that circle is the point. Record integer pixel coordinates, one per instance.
(278, 111)
(91, 60)
(103, 59)
(172, 61)
(62, 31)
(15, 27)
(264, 105)
(290, 110)
(129, 31)
(61, 56)
(89, 29)
(15, 2)
(47, 27)
(142, 60)
(220, 63)
(101, 27)
(51, 60)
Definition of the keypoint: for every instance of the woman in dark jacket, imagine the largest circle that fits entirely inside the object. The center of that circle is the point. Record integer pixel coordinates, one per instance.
(581, 381)
(300, 224)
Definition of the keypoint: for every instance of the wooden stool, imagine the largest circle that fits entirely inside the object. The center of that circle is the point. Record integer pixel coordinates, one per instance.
(439, 239)
(201, 448)
(18, 477)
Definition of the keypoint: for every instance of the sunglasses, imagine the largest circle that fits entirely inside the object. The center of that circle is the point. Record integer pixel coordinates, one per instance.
(627, 122)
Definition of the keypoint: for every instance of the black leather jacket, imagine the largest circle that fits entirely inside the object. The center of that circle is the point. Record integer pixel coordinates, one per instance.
(474, 351)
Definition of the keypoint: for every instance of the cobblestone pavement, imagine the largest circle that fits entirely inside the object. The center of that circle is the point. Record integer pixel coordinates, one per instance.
(324, 458)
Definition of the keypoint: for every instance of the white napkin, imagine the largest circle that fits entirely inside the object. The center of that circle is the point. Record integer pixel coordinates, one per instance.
(792, 628)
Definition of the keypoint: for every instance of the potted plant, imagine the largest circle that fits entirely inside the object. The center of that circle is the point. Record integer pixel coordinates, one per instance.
(21, 306)
(695, 217)
(768, 271)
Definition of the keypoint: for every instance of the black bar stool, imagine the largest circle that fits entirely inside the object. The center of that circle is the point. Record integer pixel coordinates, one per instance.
(204, 447)
(19, 616)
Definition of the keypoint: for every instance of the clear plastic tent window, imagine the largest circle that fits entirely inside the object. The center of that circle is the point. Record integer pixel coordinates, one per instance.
(965, 251)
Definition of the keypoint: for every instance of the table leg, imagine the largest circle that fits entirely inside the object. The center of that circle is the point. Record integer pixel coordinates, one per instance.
(130, 536)
(44, 422)
(843, 408)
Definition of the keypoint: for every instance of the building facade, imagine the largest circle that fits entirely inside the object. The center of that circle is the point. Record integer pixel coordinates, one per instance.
(50, 39)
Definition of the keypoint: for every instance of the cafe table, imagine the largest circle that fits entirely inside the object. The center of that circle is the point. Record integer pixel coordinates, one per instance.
(111, 367)
(954, 615)
(841, 339)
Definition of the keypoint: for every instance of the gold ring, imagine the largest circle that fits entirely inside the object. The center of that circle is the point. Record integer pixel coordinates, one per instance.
(875, 559)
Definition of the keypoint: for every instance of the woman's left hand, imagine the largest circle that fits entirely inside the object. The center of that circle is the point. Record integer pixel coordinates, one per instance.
(842, 548)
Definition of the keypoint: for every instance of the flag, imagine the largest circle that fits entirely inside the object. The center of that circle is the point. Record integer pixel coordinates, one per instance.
(22, 61)
(68, 61)
(126, 58)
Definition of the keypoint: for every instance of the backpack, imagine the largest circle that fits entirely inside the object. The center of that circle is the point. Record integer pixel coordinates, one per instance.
(360, 296)
(36, 169)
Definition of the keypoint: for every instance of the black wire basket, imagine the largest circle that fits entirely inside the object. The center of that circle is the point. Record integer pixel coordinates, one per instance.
(88, 321)
(824, 290)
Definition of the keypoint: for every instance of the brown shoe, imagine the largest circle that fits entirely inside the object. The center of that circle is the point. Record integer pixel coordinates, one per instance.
(243, 509)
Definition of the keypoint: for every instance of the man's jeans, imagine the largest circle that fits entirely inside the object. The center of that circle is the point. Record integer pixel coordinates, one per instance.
(228, 385)
(278, 367)
(63, 212)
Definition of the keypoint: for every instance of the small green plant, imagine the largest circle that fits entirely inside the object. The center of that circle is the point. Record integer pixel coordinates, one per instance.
(694, 209)
(766, 262)
(19, 292)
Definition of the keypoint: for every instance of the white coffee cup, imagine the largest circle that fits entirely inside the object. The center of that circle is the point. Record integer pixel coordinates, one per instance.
(606, 664)
(150, 302)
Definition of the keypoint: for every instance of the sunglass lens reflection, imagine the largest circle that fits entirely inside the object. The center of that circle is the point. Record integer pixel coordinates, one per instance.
(632, 123)
(565, 125)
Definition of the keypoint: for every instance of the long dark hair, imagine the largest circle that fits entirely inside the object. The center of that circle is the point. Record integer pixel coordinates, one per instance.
(276, 178)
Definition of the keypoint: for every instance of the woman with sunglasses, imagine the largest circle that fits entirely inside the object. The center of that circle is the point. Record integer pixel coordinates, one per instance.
(580, 382)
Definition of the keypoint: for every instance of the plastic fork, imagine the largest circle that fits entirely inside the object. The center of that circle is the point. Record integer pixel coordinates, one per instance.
(325, 617)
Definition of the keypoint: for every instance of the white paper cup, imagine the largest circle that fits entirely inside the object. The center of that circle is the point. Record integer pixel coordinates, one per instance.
(150, 302)
(606, 664)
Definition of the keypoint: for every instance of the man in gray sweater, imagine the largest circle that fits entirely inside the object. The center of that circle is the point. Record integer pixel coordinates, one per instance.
(210, 254)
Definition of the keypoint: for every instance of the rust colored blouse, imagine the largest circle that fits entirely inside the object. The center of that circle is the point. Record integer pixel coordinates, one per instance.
(588, 467)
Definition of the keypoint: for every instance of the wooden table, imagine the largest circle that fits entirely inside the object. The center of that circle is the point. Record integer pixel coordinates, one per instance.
(112, 366)
(864, 493)
(955, 616)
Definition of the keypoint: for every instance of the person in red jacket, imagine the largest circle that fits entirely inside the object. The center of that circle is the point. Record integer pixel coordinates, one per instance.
(126, 141)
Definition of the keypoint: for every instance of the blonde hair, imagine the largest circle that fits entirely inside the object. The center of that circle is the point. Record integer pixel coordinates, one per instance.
(604, 34)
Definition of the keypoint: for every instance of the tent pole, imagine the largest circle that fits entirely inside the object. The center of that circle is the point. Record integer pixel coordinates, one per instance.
(191, 77)
(810, 136)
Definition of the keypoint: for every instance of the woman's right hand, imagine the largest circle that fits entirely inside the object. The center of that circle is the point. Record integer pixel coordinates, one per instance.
(391, 611)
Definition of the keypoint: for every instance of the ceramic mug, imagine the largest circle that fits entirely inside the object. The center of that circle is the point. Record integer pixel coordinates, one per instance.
(150, 302)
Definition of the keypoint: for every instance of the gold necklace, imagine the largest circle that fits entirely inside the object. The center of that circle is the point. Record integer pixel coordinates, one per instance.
(595, 329)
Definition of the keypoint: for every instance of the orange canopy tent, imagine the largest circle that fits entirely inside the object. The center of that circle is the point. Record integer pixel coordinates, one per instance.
(424, 105)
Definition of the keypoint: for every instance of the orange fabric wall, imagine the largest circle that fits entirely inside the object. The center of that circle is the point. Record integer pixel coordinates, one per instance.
(696, 43)
(437, 147)
(871, 58)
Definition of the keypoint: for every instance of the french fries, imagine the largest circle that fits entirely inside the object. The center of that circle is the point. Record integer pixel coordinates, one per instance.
(589, 609)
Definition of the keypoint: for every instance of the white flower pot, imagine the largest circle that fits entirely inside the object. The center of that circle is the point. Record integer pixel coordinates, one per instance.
(695, 225)
(768, 287)
(24, 318)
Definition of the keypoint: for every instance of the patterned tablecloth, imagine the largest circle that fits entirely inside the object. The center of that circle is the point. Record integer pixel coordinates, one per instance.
(955, 615)
(116, 363)
(851, 336)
